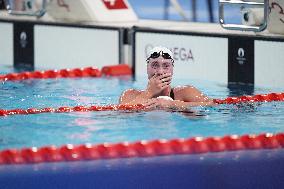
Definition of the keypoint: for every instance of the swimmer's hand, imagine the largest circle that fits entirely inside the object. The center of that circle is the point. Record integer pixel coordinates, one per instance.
(158, 103)
(157, 83)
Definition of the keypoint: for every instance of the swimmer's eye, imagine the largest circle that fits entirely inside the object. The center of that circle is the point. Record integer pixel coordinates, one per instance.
(166, 66)
(155, 66)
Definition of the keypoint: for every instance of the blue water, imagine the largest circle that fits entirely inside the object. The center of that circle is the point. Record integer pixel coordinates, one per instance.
(116, 126)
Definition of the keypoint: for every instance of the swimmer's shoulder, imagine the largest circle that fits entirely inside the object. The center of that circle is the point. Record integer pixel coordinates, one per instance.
(129, 94)
(184, 92)
(184, 88)
(132, 92)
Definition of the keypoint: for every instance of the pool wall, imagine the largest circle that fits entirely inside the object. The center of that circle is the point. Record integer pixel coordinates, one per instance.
(201, 51)
(57, 46)
(221, 57)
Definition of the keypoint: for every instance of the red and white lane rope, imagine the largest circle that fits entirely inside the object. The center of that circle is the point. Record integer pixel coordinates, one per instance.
(49, 74)
(113, 70)
(230, 100)
(256, 98)
(195, 145)
(65, 109)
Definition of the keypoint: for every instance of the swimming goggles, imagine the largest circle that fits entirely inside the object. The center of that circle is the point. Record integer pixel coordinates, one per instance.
(161, 53)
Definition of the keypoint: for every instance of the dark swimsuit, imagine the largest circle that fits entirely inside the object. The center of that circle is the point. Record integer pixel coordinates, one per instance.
(172, 94)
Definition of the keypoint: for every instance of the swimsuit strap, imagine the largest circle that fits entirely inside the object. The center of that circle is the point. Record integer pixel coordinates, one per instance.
(172, 94)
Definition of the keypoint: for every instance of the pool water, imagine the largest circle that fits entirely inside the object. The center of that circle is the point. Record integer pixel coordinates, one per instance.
(38, 130)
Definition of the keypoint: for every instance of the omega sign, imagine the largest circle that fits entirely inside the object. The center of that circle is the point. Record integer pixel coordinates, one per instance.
(183, 54)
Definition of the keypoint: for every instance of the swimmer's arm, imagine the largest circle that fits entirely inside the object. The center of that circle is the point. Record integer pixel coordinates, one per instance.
(132, 97)
(192, 94)
(189, 97)
(182, 105)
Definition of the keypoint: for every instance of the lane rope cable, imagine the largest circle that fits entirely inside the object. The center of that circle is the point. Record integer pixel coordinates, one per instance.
(65, 109)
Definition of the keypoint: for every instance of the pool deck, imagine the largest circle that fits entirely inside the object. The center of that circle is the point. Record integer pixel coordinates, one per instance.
(195, 27)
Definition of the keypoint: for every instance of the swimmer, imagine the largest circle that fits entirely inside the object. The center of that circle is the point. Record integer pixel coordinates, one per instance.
(159, 94)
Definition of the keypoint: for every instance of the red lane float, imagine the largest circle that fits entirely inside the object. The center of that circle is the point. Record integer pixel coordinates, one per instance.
(49, 74)
(65, 109)
(116, 70)
(160, 147)
(256, 98)
(230, 100)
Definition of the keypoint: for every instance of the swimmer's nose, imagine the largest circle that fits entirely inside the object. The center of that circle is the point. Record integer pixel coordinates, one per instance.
(160, 71)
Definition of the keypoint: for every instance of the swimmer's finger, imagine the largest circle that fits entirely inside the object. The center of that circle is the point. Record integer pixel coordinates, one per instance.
(166, 79)
(161, 81)
(164, 87)
(162, 76)
(149, 102)
(165, 84)
(155, 76)
(151, 106)
(167, 75)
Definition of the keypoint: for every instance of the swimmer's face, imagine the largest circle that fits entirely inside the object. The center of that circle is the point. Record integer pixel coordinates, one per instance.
(159, 66)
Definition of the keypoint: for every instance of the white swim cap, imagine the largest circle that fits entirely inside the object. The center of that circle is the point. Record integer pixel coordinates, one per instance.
(158, 50)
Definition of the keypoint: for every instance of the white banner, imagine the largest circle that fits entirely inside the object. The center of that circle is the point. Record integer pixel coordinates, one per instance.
(6, 44)
(195, 57)
(269, 63)
(69, 47)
